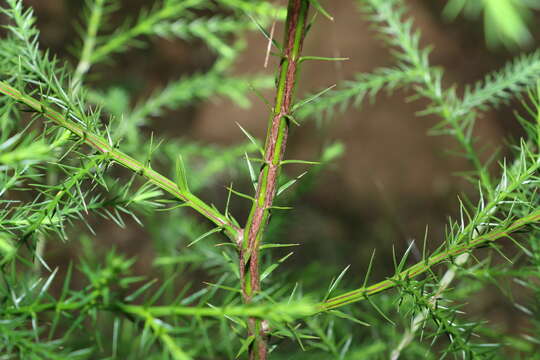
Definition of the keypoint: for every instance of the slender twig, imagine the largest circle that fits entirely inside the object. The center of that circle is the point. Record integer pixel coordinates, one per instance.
(89, 43)
(113, 154)
(281, 311)
(161, 331)
(276, 140)
(447, 278)
(425, 265)
(299, 310)
(402, 36)
(121, 39)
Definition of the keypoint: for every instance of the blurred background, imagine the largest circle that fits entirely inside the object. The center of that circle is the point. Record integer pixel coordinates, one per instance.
(391, 182)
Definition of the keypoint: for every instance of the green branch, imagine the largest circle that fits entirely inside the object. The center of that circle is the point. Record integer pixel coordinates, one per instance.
(144, 26)
(425, 265)
(400, 34)
(279, 312)
(94, 22)
(102, 145)
(365, 85)
(502, 85)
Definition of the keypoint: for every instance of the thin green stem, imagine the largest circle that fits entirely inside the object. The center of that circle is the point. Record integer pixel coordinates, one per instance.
(145, 26)
(451, 272)
(113, 154)
(66, 186)
(465, 141)
(425, 265)
(161, 332)
(89, 43)
(461, 240)
(278, 311)
(276, 140)
(284, 312)
(300, 310)
(403, 37)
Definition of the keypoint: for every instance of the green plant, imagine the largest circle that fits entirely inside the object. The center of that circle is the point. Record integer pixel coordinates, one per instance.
(505, 21)
(60, 140)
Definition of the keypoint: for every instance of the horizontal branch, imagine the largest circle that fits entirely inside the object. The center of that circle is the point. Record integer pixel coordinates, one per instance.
(102, 145)
(425, 265)
(279, 312)
(145, 24)
(365, 85)
(288, 311)
(502, 85)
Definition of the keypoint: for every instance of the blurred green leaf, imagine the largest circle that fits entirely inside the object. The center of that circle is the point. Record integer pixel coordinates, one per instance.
(506, 22)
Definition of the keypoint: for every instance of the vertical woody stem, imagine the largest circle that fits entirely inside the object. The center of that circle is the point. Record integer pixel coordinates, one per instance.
(276, 140)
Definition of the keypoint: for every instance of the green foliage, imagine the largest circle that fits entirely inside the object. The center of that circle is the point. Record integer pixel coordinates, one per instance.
(505, 21)
(62, 136)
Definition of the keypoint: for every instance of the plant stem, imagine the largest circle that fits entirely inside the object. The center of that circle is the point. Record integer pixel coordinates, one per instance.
(113, 154)
(143, 26)
(89, 43)
(276, 140)
(446, 279)
(425, 265)
(286, 311)
(264, 311)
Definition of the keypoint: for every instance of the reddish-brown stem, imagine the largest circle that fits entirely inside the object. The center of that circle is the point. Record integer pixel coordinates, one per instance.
(276, 140)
